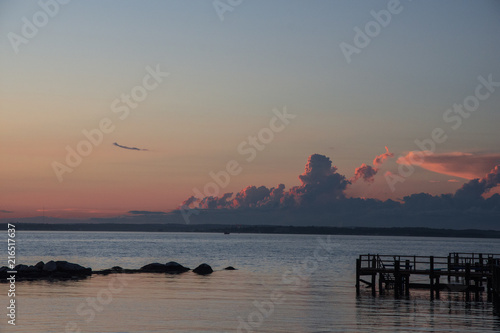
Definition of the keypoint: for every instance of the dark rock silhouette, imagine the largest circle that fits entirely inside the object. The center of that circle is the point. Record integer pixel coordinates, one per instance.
(229, 268)
(63, 270)
(174, 267)
(203, 269)
(60, 270)
(22, 268)
(64, 266)
(51, 266)
(171, 267)
(154, 267)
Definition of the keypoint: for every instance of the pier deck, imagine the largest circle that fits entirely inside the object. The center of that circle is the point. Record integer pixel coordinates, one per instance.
(467, 272)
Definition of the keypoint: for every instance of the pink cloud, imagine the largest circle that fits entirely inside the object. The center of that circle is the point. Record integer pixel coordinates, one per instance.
(381, 158)
(365, 172)
(456, 164)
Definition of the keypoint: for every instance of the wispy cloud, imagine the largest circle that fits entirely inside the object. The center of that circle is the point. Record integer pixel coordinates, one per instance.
(130, 148)
(145, 212)
(6, 211)
(456, 164)
(378, 160)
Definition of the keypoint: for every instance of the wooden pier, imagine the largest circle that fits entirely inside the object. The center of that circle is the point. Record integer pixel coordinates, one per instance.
(471, 273)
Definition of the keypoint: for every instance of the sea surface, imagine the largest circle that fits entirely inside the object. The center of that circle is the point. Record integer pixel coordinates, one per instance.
(283, 283)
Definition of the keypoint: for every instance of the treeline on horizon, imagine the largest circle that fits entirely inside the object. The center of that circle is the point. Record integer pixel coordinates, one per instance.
(260, 229)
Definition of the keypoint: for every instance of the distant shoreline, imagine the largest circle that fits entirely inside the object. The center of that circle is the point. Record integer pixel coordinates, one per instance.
(262, 229)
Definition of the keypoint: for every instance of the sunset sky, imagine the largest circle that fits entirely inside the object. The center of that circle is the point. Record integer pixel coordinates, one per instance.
(227, 80)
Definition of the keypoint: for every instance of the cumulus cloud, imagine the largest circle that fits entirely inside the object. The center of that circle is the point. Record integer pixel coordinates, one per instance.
(216, 202)
(320, 183)
(130, 148)
(456, 164)
(365, 172)
(475, 188)
(189, 201)
(321, 197)
(250, 196)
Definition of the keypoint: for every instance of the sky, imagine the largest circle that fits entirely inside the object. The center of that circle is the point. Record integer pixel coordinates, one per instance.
(173, 94)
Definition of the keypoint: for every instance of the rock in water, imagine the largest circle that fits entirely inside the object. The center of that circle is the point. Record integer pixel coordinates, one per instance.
(173, 267)
(21, 268)
(203, 269)
(64, 266)
(51, 266)
(154, 267)
(230, 268)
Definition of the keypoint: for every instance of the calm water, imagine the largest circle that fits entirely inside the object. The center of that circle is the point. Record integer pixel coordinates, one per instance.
(300, 284)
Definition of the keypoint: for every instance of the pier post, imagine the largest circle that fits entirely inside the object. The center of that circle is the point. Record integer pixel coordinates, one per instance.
(407, 278)
(489, 285)
(431, 276)
(380, 285)
(374, 276)
(467, 282)
(358, 269)
(481, 267)
(477, 285)
(397, 279)
(437, 286)
(449, 268)
(456, 264)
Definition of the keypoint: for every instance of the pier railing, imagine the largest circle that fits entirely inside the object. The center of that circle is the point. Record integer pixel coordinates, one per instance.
(406, 263)
(453, 262)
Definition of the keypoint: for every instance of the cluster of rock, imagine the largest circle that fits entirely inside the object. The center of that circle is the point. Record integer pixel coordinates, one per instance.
(63, 270)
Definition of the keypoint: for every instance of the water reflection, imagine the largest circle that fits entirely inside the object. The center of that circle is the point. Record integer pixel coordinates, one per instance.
(420, 313)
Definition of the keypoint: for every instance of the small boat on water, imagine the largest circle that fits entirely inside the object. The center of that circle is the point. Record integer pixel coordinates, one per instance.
(226, 232)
